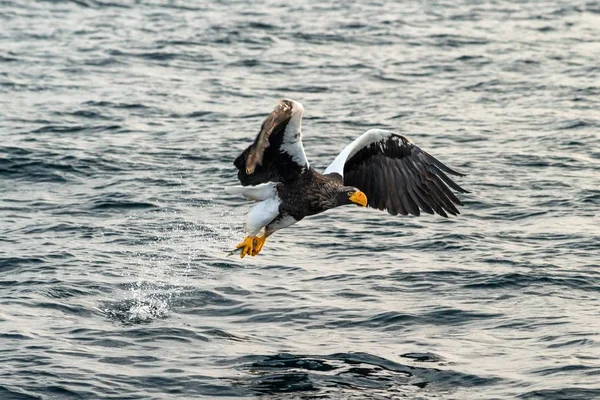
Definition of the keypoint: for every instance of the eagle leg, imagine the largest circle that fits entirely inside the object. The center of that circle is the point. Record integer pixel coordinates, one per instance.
(258, 244)
(246, 246)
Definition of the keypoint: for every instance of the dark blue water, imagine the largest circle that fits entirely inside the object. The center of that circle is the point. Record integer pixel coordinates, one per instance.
(119, 122)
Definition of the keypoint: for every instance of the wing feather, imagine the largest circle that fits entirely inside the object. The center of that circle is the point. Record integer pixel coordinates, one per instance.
(398, 190)
(436, 187)
(421, 196)
(390, 203)
(436, 171)
(409, 178)
(402, 190)
(277, 154)
(396, 175)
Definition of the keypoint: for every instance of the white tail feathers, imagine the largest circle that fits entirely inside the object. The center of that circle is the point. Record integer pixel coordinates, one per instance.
(256, 193)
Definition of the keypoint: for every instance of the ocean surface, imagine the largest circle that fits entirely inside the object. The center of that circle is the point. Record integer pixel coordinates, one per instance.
(119, 123)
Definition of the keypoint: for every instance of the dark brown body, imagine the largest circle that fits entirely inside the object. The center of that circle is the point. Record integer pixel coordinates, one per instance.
(310, 194)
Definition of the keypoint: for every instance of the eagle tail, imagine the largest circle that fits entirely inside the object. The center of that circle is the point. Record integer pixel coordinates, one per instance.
(256, 193)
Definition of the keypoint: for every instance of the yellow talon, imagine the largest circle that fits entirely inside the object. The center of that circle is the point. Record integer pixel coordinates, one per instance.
(258, 244)
(246, 246)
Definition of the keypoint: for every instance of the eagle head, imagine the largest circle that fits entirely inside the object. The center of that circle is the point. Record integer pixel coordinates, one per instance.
(351, 195)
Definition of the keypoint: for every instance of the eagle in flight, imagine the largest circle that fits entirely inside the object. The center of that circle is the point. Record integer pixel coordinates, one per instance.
(380, 169)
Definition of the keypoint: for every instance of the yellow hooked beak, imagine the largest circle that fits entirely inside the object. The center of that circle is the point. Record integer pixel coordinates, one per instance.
(359, 198)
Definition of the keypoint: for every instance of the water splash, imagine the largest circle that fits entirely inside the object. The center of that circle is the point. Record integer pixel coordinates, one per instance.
(164, 252)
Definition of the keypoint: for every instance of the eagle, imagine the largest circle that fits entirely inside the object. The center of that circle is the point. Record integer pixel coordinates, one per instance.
(380, 169)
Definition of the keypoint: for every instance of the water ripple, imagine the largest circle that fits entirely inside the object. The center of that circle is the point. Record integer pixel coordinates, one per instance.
(120, 124)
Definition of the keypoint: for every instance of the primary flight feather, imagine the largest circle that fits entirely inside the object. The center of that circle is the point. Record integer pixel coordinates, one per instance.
(380, 169)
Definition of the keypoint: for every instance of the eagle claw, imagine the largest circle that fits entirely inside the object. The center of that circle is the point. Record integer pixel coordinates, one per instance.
(246, 246)
(257, 244)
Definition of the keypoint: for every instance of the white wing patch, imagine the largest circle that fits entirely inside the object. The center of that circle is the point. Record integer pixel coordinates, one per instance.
(364, 140)
(292, 138)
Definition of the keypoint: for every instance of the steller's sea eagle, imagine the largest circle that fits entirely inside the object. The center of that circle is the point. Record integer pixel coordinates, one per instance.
(380, 169)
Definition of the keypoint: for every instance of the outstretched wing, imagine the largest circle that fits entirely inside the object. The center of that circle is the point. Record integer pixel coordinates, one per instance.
(277, 154)
(397, 175)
